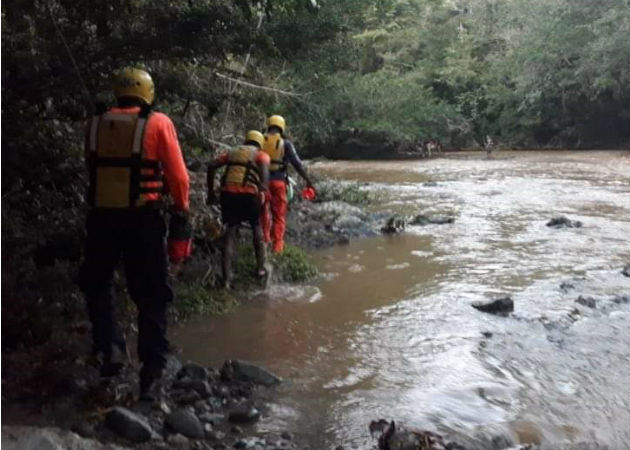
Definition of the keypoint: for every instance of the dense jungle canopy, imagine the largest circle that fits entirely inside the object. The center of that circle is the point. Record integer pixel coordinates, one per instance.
(527, 73)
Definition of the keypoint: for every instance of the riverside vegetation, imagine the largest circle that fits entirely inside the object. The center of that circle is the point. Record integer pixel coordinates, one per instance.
(361, 76)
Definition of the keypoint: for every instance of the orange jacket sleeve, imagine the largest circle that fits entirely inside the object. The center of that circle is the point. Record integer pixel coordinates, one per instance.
(170, 155)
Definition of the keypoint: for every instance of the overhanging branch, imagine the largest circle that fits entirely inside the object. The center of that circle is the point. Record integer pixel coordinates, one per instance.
(257, 86)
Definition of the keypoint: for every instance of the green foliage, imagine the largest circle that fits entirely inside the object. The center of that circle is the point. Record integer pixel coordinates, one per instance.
(293, 265)
(196, 299)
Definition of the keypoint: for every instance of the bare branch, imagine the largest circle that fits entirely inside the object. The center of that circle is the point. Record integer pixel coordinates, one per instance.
(256, 86)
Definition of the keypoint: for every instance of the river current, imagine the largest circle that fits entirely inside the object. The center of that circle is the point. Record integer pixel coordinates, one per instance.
(388, 331)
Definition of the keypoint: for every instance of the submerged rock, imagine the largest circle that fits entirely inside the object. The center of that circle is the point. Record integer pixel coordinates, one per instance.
(394, 224)
(391, 436)
(589, 302)
(422, 219)
(563, 222)
(243, 371)
(129, 424)
(499, 306)
(184, 422)
(626, 270)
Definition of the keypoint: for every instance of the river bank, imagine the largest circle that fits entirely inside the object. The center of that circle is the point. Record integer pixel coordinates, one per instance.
(51, 382)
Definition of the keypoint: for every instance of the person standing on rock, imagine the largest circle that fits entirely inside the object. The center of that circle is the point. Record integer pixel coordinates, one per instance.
(281, 151)
(131, 154)
(243, 192)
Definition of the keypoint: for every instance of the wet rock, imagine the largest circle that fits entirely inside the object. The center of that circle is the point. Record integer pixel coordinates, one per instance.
(236, 429)
(347, 222)
(244, 415)
(422, 219)
(626, 270)
(201, 407)
(249, 442)
(196, 384)
(128, 424)
(222, 391)
(566, 286)
(486, 334)
(343, 240)
(499, 306)
(589, 302)
(214, 418)
(35, 438)
(287, 435)
(193, 371)
(430, 184)
(619, 299)
(214, 435)
(243, 371)
(394, 224)
(177, 440)
(185, 397)
(563, 222)
(392, 436)
(184, 422)
(163, 406)
(83, 429)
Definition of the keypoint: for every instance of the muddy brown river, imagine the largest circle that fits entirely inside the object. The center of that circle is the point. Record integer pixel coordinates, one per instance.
(388, 331)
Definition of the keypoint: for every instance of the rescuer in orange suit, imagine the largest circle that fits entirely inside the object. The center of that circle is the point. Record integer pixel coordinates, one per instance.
(243, 191)
(132, 154)
(281, 152)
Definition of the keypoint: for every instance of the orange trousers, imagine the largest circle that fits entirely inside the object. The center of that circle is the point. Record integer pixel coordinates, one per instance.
(274, 215)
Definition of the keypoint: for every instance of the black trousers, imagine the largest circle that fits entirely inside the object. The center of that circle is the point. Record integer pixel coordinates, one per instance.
(138, 238)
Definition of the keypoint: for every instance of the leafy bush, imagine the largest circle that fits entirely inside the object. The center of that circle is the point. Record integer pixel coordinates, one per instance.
(293, 265)
(197, 299)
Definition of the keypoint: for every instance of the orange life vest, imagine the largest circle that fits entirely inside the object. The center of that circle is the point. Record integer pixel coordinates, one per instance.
(121, 177)
(242, 169)
(274, 147)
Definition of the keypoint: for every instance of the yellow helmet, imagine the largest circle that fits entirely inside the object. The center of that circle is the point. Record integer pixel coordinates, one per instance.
(255, 136)
(276, 121)
(132, 82)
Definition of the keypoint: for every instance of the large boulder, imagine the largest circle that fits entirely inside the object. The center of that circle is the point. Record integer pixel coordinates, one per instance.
(130, 425)
(244, 371)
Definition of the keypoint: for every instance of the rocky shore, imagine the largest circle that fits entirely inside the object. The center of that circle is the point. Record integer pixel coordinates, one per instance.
(198, 408)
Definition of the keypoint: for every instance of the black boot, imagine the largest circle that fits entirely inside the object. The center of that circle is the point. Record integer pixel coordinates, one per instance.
(150, 384)
(115, 363)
